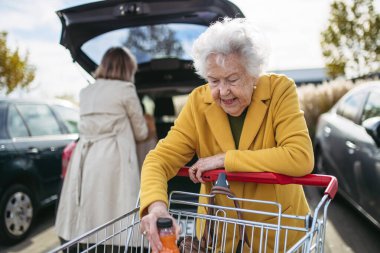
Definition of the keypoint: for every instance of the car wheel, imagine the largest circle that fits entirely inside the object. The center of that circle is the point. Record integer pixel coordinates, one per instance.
(17, 213)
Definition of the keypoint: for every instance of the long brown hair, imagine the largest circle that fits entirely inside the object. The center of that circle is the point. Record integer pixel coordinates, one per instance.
(118, 63)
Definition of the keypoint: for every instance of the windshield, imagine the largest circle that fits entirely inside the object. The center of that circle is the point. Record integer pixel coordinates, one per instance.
(147, 42)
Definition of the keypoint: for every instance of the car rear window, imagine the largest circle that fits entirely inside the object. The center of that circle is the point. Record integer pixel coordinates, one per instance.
(349, 108)
(147, 42)
(16, 125)
(372, 106)
(39, 119)
(69, 116)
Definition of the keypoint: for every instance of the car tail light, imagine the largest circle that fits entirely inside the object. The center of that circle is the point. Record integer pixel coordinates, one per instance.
(66, 155)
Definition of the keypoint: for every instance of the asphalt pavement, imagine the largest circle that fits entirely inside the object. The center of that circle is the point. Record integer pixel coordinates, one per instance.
(42, 238)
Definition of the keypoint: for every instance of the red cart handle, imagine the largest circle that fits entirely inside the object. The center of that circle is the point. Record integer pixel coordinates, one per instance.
(330, 182)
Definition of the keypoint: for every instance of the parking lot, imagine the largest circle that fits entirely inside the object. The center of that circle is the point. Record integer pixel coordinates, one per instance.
(65, 35)
(42, 237)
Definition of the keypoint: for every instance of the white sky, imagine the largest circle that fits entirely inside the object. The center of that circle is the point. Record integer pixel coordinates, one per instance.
(292, 27)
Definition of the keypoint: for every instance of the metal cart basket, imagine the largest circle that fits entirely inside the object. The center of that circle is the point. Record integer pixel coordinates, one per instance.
(224, 229)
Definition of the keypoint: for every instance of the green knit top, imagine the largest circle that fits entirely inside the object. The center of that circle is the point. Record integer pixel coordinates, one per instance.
(236, 124)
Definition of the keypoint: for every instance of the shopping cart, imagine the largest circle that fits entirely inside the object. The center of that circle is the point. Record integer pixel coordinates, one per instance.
(219, 231)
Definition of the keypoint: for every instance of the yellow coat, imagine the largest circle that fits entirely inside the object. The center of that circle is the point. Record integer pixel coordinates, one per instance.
(274, 138)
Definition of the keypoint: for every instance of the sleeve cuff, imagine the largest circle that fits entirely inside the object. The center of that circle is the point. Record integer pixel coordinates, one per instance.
(229, 161)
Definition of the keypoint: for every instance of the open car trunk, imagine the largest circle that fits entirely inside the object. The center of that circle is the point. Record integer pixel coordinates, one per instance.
(160, 34)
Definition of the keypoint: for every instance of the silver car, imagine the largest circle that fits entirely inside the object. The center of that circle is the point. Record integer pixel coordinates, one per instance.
(347, 145)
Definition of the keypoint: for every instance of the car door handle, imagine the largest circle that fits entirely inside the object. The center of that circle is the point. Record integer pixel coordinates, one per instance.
(32, 151)
(351, 147)
(326, 131)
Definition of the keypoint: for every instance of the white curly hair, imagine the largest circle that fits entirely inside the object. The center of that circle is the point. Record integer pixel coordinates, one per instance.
(232, 36)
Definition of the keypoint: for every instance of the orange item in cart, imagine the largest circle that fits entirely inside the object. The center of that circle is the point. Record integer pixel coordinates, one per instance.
(167, 235)
(169, 244)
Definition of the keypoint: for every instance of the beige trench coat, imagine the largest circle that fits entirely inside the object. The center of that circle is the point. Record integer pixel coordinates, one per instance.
(103, 178)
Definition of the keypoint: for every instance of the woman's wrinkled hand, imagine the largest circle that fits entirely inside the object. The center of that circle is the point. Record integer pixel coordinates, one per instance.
(148, 225)
(205, 164)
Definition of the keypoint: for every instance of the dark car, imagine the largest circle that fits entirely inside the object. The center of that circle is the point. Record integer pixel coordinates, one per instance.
(32, 137)
(160, 34)
(347, 145)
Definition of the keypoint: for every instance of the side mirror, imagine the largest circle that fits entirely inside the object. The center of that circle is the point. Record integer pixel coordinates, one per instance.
(372, 126)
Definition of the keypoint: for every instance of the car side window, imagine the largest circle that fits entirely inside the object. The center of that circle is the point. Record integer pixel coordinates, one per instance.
(371, 107)
(39, 119)
(15, 124)
(69, 116)
(351, 106)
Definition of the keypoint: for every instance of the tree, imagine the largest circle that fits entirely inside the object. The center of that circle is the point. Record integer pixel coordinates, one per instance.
(14, 70)
(155, 40)
(351, 42)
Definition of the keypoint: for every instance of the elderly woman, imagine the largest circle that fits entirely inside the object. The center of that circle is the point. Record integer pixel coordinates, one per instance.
(242, 120)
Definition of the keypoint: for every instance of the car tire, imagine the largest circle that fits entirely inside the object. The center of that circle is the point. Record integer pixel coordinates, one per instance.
(17, 212)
